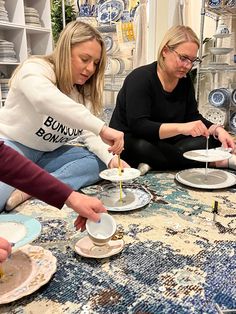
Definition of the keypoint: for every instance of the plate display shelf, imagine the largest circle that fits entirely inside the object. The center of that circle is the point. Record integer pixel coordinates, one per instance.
(27, 27)
(220, 70)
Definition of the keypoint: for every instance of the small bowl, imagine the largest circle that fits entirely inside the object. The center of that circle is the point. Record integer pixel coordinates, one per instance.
(219, 97)
(101, 232)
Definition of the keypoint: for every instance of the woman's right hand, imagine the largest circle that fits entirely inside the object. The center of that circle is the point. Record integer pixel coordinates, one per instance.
(113, 138)
(86, 206)
(194, 128)
(5, 249)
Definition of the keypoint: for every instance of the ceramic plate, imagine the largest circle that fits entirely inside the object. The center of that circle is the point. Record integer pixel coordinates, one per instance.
(110, 11)
(86, 248)
(215, 115)
(113, 174)
(207, 156)
(220, 50)
(214, 179)
(25, 272)
(19, 229)
(132, 198)
(222, 35)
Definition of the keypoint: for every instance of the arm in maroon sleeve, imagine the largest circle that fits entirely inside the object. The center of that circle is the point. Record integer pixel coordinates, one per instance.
(23, 174)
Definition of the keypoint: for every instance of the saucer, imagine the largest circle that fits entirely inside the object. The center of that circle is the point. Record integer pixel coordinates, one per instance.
(86, 248)
(114, 176)
(215, 178)
(211, 155)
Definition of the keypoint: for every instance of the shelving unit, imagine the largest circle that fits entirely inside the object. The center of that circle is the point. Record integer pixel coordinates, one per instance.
(28, 39)
(216, 71)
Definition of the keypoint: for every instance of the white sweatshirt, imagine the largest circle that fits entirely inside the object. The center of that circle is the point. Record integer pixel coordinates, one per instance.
(38, 115)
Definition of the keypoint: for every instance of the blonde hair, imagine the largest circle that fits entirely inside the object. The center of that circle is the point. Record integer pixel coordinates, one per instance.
(77, 32)
(175, 36)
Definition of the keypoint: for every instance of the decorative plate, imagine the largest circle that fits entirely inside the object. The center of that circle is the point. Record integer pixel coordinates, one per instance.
(25, 272)
(108, 42)
(220, 50)
(214, 3)
(234, 97)
(114, 176)
(214, 179)
(224, 35)
(110, 11)
(215, 116)
(19, 229)
(210, 155)
(219, 97)
(86, 248)
(131, 198)
(232, 121)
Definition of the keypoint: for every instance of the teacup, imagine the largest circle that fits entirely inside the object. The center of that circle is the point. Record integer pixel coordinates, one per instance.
(222, 29)
(101, 232)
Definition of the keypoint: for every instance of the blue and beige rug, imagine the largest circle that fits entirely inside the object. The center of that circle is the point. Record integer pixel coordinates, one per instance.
(176, 259)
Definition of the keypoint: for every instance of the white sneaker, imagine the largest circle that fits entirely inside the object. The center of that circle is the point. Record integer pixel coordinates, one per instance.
(143, 168)
(16, 198)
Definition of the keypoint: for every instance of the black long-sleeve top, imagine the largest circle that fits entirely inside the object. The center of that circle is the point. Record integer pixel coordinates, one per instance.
(143, 105)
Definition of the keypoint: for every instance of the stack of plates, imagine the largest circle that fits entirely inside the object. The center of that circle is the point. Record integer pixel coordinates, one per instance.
(4, 88)
(7, 52)
(3, 12)
(32, 17)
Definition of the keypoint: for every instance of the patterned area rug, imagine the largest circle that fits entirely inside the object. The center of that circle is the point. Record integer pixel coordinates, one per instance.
(176, 259)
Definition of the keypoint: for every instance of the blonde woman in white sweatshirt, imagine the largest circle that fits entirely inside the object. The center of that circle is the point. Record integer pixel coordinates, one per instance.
(56, 98)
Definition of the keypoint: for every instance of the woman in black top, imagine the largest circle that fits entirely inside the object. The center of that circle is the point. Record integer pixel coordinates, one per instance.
(157, 110)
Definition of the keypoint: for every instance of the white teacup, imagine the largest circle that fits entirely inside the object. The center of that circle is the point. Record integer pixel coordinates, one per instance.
(222, 29)
(101, 232)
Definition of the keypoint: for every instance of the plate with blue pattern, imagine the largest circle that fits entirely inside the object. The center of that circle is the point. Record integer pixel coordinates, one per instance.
(130, 198)
(19, 229)
(110, 11)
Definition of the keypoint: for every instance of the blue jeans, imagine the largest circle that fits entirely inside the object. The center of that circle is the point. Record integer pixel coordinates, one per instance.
(76, 166)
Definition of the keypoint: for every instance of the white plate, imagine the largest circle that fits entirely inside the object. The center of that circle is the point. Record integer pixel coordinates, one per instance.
(220, 50)
(211, 155)
(114, 176)
(19, 229)
(132, 198)
(110, 11)
(197, 178)
(25, 272)
(86, 248)
(222, 35)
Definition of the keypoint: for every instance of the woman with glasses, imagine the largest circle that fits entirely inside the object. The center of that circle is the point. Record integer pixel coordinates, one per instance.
(157, 110)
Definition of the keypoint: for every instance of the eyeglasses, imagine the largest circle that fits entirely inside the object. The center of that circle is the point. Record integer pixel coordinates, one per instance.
(186, 60)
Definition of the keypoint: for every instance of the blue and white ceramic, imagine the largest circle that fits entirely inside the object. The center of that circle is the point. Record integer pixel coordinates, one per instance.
(232, 121)
(234, 97)
(214, 3)
(108, 42)
(230, 3)
(19, 229)
(110, 11)
(219, 97)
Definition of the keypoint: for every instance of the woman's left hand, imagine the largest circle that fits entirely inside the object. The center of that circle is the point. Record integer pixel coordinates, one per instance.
(225, 138)
(114, 163)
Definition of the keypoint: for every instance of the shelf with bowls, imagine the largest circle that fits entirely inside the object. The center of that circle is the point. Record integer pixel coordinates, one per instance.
(216, 74)
(25, 29)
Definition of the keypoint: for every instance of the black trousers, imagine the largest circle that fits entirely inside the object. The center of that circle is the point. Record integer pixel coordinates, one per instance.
(165, 154)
